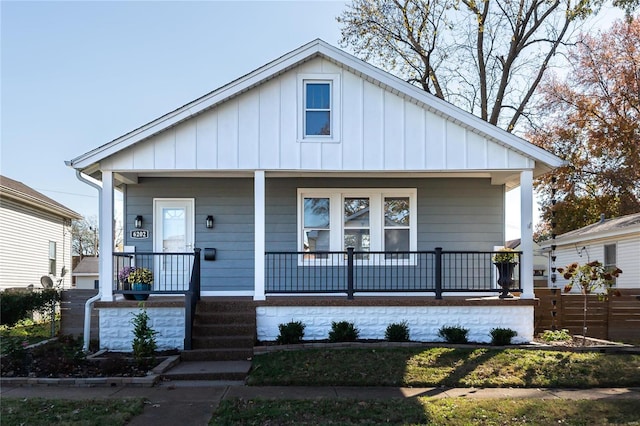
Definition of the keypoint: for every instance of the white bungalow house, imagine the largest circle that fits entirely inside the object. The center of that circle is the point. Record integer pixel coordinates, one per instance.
(330, 190)
(35, 237)
(614, 242)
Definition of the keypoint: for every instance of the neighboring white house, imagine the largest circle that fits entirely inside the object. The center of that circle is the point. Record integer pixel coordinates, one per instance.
(540, 261)
(35, 236)
(85, 274)
(285, 169)
(613, 241)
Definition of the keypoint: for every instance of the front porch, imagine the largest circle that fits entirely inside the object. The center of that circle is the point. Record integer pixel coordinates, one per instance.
(427, 289)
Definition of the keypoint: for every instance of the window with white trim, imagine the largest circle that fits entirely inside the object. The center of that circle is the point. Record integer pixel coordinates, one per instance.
(610, 258)
(52, 257)
(365, 219)
(319, 108)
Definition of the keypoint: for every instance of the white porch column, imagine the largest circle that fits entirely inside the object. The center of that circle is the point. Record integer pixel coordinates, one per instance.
(526, 233)
(259, 233)
(106, 237)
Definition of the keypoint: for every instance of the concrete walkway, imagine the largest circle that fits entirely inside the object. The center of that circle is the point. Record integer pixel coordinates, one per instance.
(193, 402)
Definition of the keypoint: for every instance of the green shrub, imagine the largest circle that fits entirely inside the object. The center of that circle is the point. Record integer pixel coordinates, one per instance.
(144, 339)
(453, 334)
(556, 335)
(502, 336)
(290, 333)
(343, 331)
(18, 305)
(397, 332)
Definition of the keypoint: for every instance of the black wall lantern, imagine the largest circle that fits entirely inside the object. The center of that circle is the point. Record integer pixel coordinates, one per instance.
(209, 222)
(138, 222)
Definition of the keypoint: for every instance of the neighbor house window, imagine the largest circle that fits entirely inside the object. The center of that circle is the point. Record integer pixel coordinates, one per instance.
(319, 107)
(365, 219)
(610, 257)
(52, 257)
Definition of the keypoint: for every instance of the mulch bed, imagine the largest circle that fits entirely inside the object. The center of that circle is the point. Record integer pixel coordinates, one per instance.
(63, 358)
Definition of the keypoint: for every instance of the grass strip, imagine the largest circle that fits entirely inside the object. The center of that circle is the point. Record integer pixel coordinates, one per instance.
(40, 411)
(423, 410)
(451, 367)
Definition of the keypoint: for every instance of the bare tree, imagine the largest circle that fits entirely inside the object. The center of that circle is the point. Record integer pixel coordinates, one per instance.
(486, 57)
(84, 234)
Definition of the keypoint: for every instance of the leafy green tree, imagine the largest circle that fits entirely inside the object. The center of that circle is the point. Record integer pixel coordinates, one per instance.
(486, 57)
(593, 122)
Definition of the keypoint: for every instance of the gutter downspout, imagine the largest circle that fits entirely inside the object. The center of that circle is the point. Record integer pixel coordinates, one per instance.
(88, 305)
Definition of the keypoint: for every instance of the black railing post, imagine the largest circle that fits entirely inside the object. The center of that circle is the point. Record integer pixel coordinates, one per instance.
(350, 272)
(191, 299)
(438, 271)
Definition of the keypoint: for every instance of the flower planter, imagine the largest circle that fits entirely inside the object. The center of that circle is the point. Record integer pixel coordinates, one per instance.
(140, 287)
(505, 277)
(126, 286)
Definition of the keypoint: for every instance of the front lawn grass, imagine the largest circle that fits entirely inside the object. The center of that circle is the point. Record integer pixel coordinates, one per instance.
(423, 410)
(452, 367)
(39, 411)
(27, 331)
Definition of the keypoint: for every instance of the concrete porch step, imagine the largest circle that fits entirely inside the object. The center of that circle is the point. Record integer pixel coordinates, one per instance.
(231, 329)
(209, 370)
(221, 354)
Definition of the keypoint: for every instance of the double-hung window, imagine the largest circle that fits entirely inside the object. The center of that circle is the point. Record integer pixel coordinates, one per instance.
(319, 108)
(52, 257)
(610, 257)
(369, 220)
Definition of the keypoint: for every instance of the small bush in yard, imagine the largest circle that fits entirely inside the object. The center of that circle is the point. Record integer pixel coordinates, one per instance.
(343, 331)
(144, 338)
(556, 335)
(502, 336)
(290, 333)
(397, 332)
(453, 334)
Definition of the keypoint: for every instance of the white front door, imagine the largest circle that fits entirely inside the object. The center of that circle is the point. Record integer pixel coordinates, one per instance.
(174, 232)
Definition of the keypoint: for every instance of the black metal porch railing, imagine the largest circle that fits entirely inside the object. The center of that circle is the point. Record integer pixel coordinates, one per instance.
(352, 272)
(173, 273)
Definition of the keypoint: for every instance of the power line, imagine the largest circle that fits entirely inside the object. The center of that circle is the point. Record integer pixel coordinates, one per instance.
(67, 193)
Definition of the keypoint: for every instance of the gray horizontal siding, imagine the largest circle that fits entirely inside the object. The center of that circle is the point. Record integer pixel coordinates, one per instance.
(230, 201)
(455, 214)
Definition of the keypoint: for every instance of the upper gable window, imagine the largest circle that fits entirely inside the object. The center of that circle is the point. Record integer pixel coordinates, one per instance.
(317, 111)
(319, 108)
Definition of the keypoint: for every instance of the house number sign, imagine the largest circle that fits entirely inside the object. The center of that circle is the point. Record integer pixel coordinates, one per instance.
(140, 234)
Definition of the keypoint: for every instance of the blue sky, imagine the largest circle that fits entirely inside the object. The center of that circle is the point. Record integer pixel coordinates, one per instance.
(76, 75)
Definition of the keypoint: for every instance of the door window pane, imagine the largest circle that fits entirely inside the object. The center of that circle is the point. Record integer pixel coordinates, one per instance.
(174, 229)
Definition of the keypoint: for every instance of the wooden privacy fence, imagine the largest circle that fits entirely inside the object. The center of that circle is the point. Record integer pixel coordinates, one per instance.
(72, 313)
(616, 319)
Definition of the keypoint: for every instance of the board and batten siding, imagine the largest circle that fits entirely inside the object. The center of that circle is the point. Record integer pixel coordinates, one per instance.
(627, 253)
(455, 214)
(25, 233)
(230, 201)
(257, 130)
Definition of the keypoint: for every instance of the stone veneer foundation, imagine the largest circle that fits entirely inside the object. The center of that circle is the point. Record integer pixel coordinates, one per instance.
(423, 315)
(116, 329)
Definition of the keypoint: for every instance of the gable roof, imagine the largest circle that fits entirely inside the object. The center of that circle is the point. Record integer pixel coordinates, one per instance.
(22, 193)
(602, 229)
(545, 161)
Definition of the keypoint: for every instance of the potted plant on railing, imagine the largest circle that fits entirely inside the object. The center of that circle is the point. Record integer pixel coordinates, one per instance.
(505, 260)
(141, 279)
(123, 280)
